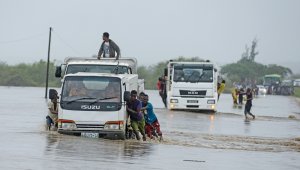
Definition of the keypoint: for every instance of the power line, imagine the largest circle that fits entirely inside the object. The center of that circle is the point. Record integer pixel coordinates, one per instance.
(23, 39)
(67, 44)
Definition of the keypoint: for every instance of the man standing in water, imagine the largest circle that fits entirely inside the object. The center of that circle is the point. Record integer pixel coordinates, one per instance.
(134, 107)
(248, 103)
(52, 111)
(163, 90)
(108, 48)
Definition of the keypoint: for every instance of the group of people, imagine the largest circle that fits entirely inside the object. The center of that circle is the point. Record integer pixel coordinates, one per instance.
(141, 117)
(238, 97)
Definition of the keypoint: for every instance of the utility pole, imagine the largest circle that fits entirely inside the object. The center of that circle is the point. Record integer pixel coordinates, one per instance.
(47, 74)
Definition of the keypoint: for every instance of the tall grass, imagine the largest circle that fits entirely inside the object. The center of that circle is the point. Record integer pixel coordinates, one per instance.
(297, 91)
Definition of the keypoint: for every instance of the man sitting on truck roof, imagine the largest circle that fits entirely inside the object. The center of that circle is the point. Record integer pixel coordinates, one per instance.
(108, 48)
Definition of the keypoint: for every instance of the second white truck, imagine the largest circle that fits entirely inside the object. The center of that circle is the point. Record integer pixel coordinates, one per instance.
(191, 85)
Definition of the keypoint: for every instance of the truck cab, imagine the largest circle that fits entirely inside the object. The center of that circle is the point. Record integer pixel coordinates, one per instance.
(191, 85)
(94, 104)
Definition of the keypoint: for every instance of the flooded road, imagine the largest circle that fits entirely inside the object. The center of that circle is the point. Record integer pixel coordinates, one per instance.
(191, 140)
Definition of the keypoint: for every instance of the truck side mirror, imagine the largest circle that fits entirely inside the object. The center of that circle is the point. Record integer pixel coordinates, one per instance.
(58, 71)
(126, 96)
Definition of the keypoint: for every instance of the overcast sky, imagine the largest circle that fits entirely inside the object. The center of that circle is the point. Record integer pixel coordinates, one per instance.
(152, 31)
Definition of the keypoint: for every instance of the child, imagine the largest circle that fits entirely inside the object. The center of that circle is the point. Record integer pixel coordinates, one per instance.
(152, 123)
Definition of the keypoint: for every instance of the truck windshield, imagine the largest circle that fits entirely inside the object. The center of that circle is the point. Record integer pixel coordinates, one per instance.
(193, 73)
(97, 69)
(91, 89)
(271, 80)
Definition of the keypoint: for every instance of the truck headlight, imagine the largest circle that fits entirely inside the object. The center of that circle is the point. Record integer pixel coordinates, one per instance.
(68, 125)
(114, 125)
(111, 126)
(211, 101)
(174, 101)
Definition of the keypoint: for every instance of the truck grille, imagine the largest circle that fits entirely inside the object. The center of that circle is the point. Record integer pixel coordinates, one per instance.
(192, 106)
(192, 93)
(89, 126)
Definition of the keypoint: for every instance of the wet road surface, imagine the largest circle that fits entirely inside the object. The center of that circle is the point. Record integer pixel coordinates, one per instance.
(191, 140)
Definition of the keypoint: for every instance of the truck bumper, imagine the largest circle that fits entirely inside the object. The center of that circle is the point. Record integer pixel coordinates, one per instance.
(115, 134)
(192, 103)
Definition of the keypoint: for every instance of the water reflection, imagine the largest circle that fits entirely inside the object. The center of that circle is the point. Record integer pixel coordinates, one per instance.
(211, 125)
(95, 149)
(51, 140)
(133, 149)
(247, 126)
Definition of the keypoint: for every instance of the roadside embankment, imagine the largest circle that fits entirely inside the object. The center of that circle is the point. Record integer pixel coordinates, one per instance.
(297, 94)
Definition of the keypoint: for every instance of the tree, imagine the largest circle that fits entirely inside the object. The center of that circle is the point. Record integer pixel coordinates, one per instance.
(250, 57)
(246, 71)
(253, 53)
(27, 74)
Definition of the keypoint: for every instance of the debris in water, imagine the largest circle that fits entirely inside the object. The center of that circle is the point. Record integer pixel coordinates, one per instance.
(193, 161)
(292, 117)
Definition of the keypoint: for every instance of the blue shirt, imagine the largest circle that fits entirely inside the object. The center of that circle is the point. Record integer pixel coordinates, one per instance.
(150, 116)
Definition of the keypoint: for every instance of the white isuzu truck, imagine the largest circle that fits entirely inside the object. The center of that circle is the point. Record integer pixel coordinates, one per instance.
(94, 94)
(94, 104)
(191, 85)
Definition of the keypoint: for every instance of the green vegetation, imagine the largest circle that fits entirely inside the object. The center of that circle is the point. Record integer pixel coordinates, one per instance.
(27, 74)
(247, 71)
(297, 92)
(34, 74)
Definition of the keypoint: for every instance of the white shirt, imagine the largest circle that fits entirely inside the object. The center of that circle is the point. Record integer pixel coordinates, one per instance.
(54, 117)
(106, 50)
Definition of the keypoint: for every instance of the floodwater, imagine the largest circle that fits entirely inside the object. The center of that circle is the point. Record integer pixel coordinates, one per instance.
(192, 140)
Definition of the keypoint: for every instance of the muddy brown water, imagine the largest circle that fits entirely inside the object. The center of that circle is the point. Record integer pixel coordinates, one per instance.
(192, 140)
